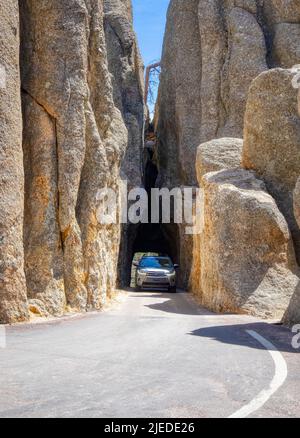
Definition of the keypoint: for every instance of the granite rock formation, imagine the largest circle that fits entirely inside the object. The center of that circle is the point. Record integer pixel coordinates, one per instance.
(218, 154)
(75, 142)
(126, 67)
(13, 306)
(69, 114)
(247, 257)
(297, 202)
(83, 116)
(212, 52)
(272, 139)
(224, 61)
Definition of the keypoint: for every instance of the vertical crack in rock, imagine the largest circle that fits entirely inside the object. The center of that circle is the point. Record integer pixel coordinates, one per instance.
(42, 237)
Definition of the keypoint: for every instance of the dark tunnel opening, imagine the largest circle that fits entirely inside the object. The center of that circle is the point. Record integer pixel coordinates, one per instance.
(156, 238)
(147, 238)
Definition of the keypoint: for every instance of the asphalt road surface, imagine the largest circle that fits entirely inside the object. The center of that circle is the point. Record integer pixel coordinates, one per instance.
(151, 355)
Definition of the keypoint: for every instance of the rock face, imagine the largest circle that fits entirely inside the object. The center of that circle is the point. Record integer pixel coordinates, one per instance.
(180, 95)
(12, 279)
(292, 315)
(72, 126)
(247, 258)
(213, 156)
(297, 202)
(218, 154)
(83, 126)
(272, 139)
(127, 70)
(217, 56)
(283, 22)
(82, 84)
(212, 52)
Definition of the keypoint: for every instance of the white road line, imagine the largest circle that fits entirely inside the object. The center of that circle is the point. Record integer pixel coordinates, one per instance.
(277, 381)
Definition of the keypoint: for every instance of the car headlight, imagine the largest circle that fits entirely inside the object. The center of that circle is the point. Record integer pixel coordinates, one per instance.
(142, 272)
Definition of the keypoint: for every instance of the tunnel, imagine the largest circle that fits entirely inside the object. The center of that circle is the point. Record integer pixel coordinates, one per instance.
(157, 238)
(145, 238)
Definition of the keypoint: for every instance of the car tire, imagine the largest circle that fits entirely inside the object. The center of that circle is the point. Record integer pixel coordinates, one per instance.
(172, 289)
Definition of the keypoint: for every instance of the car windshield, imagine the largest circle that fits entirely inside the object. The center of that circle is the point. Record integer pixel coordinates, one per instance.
(156, 262)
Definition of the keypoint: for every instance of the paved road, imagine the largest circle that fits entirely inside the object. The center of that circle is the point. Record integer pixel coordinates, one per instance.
(153, 355)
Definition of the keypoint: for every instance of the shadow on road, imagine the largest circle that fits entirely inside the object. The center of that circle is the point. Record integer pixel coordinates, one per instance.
(170, 307)
(233, 334)
(174, 303)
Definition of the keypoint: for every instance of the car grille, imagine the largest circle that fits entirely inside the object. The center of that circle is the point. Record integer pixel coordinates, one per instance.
(155, 274)
(157, 280)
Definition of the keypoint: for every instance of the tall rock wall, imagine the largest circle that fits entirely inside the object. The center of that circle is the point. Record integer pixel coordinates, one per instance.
(67, 98)
(125, 65)
(297, 202)
(272, 139)
(244, 258)
(75, 142)
(212, 52)
(292, 315)
(12, 279)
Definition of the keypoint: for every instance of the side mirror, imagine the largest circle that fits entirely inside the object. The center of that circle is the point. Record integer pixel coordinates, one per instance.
(136, 264)
(176, 266)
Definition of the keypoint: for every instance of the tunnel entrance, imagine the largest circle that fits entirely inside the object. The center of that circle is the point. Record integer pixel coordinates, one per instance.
(157, 240)
(154, 239)
(160, 239)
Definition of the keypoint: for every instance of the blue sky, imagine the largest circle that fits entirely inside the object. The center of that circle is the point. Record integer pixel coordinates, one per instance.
(149, 24)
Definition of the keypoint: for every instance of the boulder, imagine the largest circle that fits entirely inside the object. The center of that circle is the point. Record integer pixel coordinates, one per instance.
(218, 154)
(247, 259)
(292, 315)
(286, 45)
(272, 139)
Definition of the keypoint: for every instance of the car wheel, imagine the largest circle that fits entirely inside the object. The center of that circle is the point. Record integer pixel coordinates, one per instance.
(172, 289)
